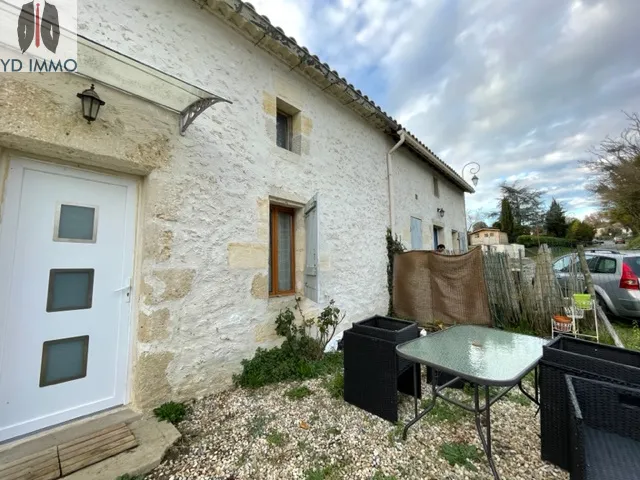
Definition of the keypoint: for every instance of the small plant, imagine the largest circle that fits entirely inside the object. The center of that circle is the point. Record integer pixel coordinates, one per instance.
(335, 385)
(395, 434)
(172, 412)
(460, 454)
(443, 412)
(379, 475)
(276, 438)
(257, 425)
(298, 393)
(126, 476)
(330, 472)
(519, 398)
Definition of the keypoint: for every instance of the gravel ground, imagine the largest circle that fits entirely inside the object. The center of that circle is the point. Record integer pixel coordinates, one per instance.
(242, 435)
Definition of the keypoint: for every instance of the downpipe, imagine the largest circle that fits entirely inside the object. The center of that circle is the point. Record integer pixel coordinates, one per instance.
(403, 137)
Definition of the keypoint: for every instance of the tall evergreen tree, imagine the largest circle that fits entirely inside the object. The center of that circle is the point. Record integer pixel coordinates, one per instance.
(555, 221)
(506, 220)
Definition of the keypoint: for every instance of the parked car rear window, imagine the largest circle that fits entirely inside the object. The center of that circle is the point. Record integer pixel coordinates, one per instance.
(634, 263)
(605, 265)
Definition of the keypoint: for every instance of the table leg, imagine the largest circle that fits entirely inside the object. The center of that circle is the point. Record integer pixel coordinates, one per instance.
(535, 398)
(434, 383)
(486, 440)
(415, 391)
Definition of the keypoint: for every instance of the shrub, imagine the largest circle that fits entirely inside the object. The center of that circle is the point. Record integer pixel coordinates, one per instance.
(285, 363)
(634, 243)
(172, 412)
(301, 356)
(534, 241)
(394, 245)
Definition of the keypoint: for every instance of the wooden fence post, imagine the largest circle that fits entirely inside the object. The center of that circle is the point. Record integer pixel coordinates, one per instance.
(600, 313)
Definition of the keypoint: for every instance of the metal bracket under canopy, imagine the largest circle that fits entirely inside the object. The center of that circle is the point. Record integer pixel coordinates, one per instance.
(193, 111)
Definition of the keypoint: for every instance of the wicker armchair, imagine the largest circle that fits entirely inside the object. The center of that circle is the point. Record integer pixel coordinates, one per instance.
(581, 358)
(373, 374)
(604, 430)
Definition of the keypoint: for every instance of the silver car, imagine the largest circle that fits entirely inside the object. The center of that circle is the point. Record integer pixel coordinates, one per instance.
(615, 277)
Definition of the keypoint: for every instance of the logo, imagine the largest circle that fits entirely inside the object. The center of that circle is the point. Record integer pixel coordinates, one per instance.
(43, 26)
(38, 36)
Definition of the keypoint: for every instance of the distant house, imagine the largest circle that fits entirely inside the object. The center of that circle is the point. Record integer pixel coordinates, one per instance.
(488, 236)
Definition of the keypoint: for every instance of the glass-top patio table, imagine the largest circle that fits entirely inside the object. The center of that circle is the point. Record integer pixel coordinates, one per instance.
(482, 356)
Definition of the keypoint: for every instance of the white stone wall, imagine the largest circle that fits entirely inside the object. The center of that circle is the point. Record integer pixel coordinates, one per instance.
(413, 177)
(202, 261)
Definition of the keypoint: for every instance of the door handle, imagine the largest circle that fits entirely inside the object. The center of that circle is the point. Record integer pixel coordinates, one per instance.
(127, 289)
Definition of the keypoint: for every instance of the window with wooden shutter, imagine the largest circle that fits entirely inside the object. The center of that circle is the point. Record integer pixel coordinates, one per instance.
(282, 252)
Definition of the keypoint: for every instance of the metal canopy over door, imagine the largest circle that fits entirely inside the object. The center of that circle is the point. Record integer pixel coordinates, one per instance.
(66, 261)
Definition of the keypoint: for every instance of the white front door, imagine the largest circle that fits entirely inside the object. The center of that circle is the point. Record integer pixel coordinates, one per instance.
(66, 261)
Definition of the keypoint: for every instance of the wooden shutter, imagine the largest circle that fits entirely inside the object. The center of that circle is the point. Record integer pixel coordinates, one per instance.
(416, 233)
(311, 224)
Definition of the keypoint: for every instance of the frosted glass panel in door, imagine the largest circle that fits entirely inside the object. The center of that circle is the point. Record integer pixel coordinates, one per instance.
(76, 223)
(64, 360)
(70, 289)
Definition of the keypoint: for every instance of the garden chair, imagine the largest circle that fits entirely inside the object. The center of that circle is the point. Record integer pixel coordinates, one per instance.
(604, 430)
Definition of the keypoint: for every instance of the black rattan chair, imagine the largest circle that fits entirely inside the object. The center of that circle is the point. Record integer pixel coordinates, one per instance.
(581, 358)
(373, 373)
(605, 430)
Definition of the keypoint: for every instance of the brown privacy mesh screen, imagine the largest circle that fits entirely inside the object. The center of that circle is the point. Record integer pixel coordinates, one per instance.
(430, 288)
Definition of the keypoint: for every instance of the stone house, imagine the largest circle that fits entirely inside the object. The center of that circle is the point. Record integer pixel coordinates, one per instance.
(488, 236)
(142, 256)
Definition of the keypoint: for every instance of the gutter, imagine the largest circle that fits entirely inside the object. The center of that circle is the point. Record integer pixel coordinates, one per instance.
(403, 137)
(438, 164)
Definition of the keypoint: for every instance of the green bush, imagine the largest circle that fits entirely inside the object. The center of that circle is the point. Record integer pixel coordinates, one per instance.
(291, 361)
(172, 412)
(534, 241)
(301, 356)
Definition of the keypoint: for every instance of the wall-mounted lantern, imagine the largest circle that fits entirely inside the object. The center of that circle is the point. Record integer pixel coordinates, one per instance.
(441, 212)
(91, 104)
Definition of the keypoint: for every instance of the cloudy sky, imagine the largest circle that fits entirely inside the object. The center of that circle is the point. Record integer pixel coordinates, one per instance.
(523, 87)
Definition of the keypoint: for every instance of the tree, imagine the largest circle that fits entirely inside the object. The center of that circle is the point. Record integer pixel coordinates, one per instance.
(616, 165)
(597, 219)
(555, 221)
(506, 220)
(580, 232)
(526, 207)
(478, 226)
(497, 225)
(475, 216)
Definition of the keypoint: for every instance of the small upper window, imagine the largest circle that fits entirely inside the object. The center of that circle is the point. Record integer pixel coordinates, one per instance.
(486, 234)
(283, 130)
(477, 235)
(436, 187)
(491, 234)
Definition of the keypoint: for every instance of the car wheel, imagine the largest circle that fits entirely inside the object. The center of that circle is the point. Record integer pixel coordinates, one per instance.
(603, 305)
